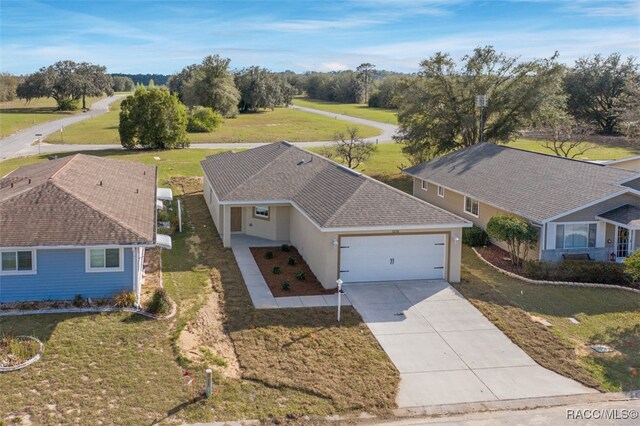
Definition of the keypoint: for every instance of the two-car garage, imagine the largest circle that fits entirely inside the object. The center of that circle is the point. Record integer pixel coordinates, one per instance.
(393, 257)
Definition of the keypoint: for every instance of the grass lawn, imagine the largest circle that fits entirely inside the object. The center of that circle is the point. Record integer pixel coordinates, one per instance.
(382, 115)
(599, 151)
(266, 126)
(17, 114)
(122, 369)
(606, 316)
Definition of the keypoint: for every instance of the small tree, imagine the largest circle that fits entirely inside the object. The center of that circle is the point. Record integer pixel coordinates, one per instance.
(153, 118)
(632, 265)
(351, 148)
(568, 139)
(203, 119)
(519, 235)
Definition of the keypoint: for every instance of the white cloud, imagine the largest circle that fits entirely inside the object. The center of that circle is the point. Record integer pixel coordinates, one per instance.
(332, 66)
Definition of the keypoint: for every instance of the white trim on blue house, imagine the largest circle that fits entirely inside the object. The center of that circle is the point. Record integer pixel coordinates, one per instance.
(34, 262)
(87, 256)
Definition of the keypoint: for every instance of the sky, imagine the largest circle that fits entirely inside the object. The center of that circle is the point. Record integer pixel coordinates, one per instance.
(154, 36)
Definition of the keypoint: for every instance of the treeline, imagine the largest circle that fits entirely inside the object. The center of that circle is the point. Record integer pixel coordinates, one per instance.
(145, 79)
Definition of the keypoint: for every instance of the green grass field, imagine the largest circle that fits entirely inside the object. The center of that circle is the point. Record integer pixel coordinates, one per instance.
(17, 114)
(599, 152)
(266, 126)
(354, 110)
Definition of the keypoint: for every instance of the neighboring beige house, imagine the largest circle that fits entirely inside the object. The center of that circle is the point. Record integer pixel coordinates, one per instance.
(578, 207)
(629, 163)
(345, 225)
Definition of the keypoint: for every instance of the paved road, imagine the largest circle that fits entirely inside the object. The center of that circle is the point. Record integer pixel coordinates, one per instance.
(24, 139)
(19, 143)
(446, 351)
(575, 414)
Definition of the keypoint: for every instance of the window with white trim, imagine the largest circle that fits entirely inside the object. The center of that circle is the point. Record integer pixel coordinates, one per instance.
(261, 212)
(440, 191)
(576, 235)
(425, 185)
(17, 262)
(104, 260)
(471, 206)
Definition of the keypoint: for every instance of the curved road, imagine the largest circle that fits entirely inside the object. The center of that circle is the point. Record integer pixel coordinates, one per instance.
(24, 148)
(20, 143)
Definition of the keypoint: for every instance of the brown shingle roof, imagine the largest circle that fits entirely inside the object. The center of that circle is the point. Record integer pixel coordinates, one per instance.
(78, 200)
(331, 195)
(533, 185)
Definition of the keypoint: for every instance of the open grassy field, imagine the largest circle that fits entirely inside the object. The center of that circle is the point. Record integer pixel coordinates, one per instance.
(606, 316)
(122, 369)
(611, 151)
(266, 126)
(17, 114)
(355, 110)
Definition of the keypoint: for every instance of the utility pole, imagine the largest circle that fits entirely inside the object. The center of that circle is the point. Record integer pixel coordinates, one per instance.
(481, 102)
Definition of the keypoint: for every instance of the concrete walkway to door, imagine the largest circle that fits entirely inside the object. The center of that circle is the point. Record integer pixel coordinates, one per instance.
(447, 352)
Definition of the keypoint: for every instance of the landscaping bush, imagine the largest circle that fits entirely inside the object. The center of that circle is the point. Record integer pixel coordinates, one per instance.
(159, 303)
(124, 299)
(15, 351)
(474, 236)
(632, 265)
(519, 235)
(68, 104)
(286, 286)
(78, 301)
(291, 261)
(203, 120)
(586, 271)
(285, 248)
(300, 276)
(268, 255)
(276, 270)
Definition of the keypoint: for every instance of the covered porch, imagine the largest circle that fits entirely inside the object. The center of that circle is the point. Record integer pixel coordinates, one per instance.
(268, 222)
(623, 230)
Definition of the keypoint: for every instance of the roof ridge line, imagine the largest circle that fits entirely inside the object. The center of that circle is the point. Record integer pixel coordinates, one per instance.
(244, 181)
(72, 158)
(545, 154)
(108, 216)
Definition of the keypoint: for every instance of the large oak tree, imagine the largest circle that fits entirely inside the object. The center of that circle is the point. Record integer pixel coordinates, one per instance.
(438, 112)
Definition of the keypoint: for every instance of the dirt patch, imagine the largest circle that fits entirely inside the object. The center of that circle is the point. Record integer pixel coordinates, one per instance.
(203, 340)
(152, 274)
(310, 286)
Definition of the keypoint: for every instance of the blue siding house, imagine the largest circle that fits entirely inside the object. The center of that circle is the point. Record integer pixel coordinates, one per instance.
(76, 225)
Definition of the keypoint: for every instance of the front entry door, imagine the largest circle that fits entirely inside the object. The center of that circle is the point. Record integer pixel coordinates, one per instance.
(236, 219)
(624, 242)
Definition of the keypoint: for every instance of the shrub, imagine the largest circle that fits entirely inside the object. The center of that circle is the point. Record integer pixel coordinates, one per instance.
(78, 301)
(276, 270)
(632, 265)
(124, 299)
(291, 261)
(268, 255)
(159, 303)
(474, 236)
(586, 271)
(300, 276)
(286, 286)
(285, 248)
(519, 235)
(68, 104)
(202, 120)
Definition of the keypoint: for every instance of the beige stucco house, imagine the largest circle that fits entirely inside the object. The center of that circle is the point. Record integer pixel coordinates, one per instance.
(578, 207)
(346, 225)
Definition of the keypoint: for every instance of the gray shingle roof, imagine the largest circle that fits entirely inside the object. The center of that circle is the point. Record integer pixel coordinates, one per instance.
(78, 200)
(626, 215)
(533, 185)
(331, 195)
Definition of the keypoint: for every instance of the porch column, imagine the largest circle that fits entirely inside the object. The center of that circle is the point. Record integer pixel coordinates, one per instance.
(226, 225)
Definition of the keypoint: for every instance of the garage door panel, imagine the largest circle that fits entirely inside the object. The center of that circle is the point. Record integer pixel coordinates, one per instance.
(392, 257)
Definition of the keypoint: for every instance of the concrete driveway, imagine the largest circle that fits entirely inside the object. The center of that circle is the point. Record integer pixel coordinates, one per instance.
(446, 351)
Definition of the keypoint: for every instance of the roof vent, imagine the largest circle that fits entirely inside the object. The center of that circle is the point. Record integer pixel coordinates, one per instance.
(29, 181)
(301, 162)
(100, 183)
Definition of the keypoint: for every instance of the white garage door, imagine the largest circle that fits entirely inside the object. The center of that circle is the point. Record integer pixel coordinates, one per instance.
(392, 257)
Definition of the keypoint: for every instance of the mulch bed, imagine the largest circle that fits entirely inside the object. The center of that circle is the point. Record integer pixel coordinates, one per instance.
(500, 258)
(310, 286)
